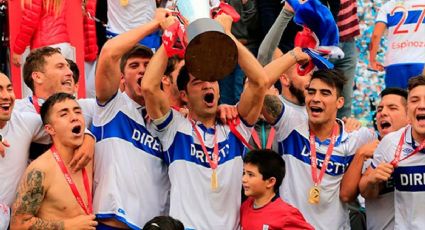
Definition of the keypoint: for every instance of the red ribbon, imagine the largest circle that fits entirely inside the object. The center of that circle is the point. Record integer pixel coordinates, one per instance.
(399, 147)
(35, 103)
(87, 209)
(212, 162)
(316, 179)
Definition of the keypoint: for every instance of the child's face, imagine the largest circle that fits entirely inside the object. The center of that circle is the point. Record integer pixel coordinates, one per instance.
(252, 181)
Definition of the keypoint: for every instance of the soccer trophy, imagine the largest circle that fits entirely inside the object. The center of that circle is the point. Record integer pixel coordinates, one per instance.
(209, 53)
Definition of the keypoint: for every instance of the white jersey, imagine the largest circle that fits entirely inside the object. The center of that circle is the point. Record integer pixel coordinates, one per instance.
(409, 179)
(20, 130)
(406, 31)
(380, 210)
(87, 106)
(192, 200)
(301, 109)
(122, 18)
(130, 176)
(293, 142)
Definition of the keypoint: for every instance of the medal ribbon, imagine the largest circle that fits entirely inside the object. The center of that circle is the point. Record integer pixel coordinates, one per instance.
(35, 103)
(212, 162)
(238, 135)
(316, 179)
(399, 147)
(87, 209)
(270, 138)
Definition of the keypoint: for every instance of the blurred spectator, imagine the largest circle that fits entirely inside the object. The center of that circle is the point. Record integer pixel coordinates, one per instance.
(124, 15)
(348, 25)
(90, 45)
(246, 31)
(43, 24)
(405, 56)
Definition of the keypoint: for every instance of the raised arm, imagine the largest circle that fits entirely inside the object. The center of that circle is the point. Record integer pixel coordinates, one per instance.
(157, 104)
(108, 73)
(279, 66)
(378, 31)
(272, 38)
(252, 97)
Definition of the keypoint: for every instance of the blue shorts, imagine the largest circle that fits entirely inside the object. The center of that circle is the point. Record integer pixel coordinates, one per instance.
(152, 41)
(398, 75)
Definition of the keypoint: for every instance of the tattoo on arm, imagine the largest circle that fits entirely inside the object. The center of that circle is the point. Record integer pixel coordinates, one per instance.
(273, 107)
(28, 201)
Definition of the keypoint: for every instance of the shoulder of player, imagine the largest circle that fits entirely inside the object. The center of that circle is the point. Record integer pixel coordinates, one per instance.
(44, 163)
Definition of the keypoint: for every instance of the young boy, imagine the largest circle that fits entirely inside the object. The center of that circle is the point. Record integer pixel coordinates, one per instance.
(263, 172)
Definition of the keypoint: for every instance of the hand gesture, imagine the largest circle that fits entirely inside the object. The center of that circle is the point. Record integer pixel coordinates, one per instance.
(381, 173)
(81, 222)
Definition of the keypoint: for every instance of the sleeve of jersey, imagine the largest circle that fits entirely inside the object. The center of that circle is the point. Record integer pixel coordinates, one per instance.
(88, 106)
(166, 128)
(35, 125)
(366, 135)
(244, 129)
(382, 14)
(382, 153)
(285, 122)
(105, 112)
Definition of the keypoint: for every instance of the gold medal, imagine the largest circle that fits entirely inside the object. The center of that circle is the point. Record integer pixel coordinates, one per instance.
(124, 2)
(214, 180)
(314, 195)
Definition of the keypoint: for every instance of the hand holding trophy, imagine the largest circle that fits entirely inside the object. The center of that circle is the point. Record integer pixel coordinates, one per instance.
(210, 54)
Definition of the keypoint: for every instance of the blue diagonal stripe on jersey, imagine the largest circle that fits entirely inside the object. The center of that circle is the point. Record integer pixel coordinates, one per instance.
(298, 146)
(125, 128)
(184, 148)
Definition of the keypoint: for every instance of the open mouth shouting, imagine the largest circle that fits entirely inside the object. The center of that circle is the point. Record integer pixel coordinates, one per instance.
(5, 107)
(209, 99)
(385, 125)
(421, 119)
(316, 110)
(77, 130)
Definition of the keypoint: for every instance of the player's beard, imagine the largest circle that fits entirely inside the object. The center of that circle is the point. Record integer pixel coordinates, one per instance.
(299, 94)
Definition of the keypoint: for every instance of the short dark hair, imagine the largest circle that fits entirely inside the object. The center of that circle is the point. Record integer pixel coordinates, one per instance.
(171, 66)
(394, 90)
(415, 82)
(269, 163)
(183, 78)
(74, 68)
(136, 51)
(332, 78)
(35, 62)
(163, 223)
(50, 102)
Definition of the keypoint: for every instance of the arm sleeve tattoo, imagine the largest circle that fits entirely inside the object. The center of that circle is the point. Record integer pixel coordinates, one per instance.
(28, 200)
(273, 107)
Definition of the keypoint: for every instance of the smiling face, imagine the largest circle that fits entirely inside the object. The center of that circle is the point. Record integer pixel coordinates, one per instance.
(201, 97)
(391, 114)
(7, 99)
(65, 123)
(55, 77)
(322, 102)
(416, 111)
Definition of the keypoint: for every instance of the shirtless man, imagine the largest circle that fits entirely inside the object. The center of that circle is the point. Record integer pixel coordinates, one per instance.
(45, 199)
